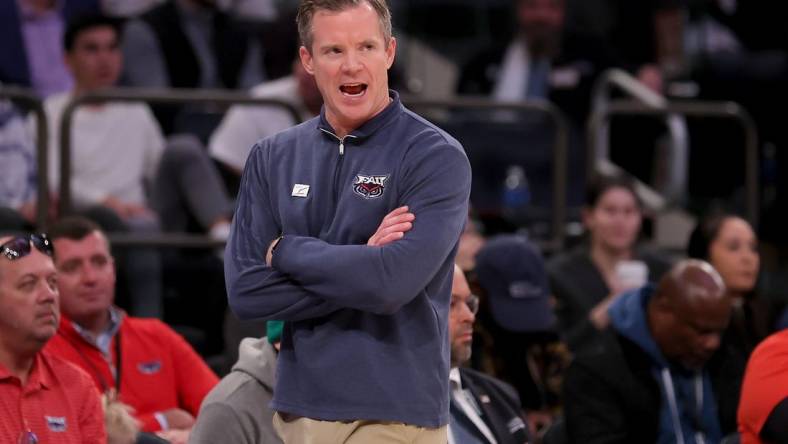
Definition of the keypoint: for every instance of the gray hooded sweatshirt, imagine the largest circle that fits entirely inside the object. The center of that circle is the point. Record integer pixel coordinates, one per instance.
(236, 410)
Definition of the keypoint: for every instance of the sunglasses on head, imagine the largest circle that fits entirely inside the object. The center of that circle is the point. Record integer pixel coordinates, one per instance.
(19, 246)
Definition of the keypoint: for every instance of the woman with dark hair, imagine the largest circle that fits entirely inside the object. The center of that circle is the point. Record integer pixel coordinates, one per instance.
(587, 279)
(730, 245)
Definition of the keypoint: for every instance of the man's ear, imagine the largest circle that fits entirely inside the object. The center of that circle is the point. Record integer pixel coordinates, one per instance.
(306, 59)
(391, 51)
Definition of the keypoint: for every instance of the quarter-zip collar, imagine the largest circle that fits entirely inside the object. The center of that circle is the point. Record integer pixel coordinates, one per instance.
(383, 118)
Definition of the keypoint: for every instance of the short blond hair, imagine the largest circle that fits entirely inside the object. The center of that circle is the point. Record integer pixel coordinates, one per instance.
(308, 8)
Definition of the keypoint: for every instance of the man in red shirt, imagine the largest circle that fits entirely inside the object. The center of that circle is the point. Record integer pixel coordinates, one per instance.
(154, 369)
(43, 399)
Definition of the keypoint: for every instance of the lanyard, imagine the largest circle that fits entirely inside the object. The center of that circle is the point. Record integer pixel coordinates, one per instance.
(118, 361)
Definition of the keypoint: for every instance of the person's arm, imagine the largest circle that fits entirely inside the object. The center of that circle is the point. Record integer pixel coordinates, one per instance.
(254, 289)
(218, 422)
(435, 185)
(593, 413)
(194, 378)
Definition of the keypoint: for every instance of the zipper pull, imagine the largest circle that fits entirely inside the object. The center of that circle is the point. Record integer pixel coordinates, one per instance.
(342, 147)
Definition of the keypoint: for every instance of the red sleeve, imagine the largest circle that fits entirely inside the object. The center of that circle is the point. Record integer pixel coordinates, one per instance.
(194, 378)
(91, 413)
(765, 385)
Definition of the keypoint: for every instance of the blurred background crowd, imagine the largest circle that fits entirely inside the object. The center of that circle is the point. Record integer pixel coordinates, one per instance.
(608, 139)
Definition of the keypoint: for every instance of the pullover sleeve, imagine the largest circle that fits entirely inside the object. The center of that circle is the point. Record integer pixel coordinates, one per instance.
(255, 290)
(435, 183)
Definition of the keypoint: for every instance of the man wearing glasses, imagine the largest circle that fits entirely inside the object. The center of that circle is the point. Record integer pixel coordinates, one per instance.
(483, 409)
(43, 399)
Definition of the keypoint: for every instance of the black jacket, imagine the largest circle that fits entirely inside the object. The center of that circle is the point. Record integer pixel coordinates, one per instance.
(611, 396)
(500, 406)
(578, 286)
(582, 54)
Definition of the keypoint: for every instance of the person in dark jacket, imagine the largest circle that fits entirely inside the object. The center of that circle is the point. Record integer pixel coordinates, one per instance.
(730, 245)
(587, 279)
(483, 409)
(650, 381)
(544, 60)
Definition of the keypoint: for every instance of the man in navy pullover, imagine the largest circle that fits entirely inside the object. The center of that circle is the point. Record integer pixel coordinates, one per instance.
(347, 227)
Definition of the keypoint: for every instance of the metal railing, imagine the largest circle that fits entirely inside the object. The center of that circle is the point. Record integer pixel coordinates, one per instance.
(182, 240)
(722, 110)
(560, 147)
(28, 99)
(675, 185)
(168, 96)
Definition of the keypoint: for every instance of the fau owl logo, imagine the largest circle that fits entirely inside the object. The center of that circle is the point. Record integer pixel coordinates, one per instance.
(369, 187)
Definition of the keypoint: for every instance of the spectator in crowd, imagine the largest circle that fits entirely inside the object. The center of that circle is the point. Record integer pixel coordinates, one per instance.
(650, 382)
(118, 148)
(586, 280)
(18, 171)
(244, 125)
(237, 410)
(483, 409)
(729, 244)
(153, 369)
(545, 60)
(324, 239)
(518, 314)
(645, 36)
(32, 36)
(119, 159)
(189, 44)
(43, 398)
(763, 409)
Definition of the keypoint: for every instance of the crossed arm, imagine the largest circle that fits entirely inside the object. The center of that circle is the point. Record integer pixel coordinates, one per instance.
(306, 277)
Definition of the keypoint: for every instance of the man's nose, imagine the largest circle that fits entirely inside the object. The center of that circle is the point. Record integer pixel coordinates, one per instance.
(89, 274)
(351, 62)
(48, 293)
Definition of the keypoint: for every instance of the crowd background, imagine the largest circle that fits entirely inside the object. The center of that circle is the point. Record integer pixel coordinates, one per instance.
(684, 50)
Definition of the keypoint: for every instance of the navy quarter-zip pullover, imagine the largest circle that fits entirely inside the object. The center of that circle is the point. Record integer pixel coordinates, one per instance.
(366, 335)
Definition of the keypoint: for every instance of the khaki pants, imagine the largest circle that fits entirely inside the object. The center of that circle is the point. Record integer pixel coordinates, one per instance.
(299, 430)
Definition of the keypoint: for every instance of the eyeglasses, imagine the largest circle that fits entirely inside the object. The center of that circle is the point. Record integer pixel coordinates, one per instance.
(27, 437)
(19, 246)
(472, 302)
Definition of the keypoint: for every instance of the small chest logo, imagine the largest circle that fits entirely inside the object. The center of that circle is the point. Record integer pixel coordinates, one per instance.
(369, 187)
(56, 423)
(149, 368)
(300, 190)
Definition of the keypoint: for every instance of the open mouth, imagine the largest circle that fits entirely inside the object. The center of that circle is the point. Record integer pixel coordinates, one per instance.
(353, 89)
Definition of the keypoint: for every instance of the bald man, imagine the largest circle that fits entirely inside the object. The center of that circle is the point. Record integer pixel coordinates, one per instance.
(650, 382)
(43, 399)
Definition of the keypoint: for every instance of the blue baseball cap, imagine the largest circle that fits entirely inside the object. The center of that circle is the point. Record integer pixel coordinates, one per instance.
(511, 270)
